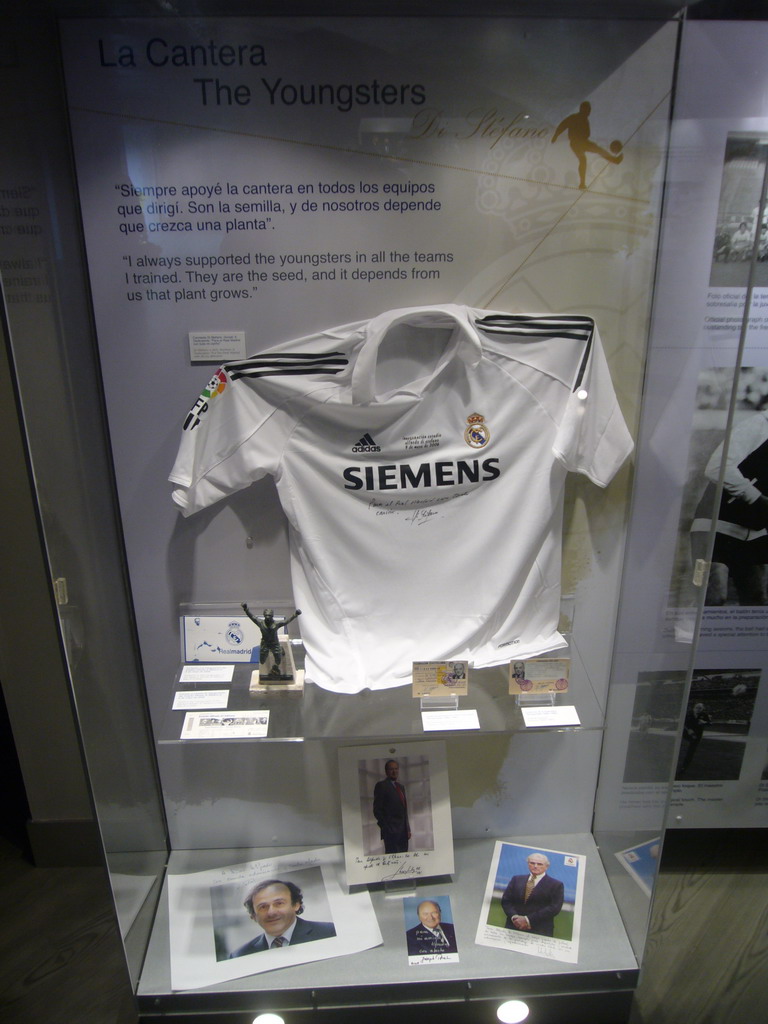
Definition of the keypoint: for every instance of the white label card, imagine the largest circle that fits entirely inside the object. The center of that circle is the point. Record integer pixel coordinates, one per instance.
(189, 700)
(216, 346)
(537, 717)
(207, 673)
(435, 721)
(225, 725)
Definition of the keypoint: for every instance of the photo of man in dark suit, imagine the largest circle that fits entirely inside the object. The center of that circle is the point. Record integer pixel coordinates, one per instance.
(432, 934)
(275, 905)
(390, 809)
(531, 902)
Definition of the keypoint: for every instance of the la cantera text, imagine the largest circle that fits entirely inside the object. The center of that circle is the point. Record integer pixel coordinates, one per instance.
(219, 90)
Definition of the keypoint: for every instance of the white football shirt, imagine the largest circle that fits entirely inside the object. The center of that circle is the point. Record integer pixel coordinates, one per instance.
(420, 458)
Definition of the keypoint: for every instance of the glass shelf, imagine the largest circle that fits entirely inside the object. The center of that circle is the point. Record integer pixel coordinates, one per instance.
(315, 713)
(606, 959)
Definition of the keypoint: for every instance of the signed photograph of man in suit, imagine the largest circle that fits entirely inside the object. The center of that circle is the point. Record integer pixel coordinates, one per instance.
(390, 809)
(396, 811)
(271, 912)
(433, 935)
(236, 920)
(396, 803)
(533, 902)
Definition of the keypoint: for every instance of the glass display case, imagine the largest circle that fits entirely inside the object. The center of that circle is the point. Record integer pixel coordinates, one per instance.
(197, 192)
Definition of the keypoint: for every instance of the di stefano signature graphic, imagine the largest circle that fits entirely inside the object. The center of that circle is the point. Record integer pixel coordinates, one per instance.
(493, 128)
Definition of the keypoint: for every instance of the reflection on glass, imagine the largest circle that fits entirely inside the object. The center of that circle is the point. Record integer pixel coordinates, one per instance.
(655, 722)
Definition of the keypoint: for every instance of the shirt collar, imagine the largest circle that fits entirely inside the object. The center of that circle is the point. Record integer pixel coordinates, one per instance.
(286, 936)
(464, 344)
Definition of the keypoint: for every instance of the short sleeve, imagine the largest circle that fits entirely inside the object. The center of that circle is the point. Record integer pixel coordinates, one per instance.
(229, 439)
(592, 437)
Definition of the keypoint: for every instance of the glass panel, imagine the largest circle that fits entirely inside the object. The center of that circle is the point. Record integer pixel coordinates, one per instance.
(56, 371)
(684, 702)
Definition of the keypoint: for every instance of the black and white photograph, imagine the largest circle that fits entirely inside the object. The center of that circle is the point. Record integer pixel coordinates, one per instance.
(717, 720)
(738, 215)
(396, 811)
(740, 514)
(737, 515)
(241, 919)
(533, 902)
(727, 527)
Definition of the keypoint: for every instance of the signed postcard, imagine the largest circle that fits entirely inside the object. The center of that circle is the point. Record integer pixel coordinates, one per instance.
(430, 936)
(396, 812)
(241, 919)
(533, 901)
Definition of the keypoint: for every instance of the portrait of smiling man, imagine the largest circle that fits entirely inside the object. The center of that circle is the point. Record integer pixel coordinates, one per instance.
(432, 935)
(276, 906)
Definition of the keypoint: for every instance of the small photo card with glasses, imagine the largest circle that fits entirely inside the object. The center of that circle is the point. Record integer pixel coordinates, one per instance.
(439, 678)
(539, 675)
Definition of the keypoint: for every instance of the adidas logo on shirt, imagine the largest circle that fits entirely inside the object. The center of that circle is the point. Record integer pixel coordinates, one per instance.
(366, 444)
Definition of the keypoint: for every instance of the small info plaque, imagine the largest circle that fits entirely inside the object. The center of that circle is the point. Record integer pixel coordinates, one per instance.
(225, 725)
(216, 346)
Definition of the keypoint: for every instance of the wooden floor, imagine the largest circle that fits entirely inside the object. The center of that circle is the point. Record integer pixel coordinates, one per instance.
(60, 954)
(706, 962)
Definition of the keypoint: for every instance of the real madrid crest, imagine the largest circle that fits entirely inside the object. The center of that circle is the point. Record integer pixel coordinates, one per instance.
(235, 633)
(477, 434)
